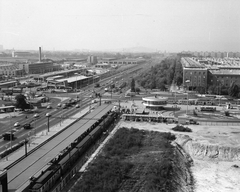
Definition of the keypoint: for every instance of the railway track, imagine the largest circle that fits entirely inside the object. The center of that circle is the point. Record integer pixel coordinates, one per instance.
(19, 174)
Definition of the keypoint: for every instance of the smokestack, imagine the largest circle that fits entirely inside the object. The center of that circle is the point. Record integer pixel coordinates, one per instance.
(40, 55)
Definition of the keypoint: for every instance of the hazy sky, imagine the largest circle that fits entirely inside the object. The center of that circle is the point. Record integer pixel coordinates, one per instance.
(171, 25)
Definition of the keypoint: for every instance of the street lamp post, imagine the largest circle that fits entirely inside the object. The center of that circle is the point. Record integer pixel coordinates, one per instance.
(187, 81)
(175, 103)
(34, 130)
(48, 116)
(6, 151)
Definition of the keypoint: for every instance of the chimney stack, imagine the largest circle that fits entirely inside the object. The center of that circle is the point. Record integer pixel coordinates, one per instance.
(40, 54)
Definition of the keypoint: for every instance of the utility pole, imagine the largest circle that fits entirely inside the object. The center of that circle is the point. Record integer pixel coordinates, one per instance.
(25, 143)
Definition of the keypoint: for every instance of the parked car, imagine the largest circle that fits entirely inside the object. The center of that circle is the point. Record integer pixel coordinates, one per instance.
(194, 122)
(77, 106)
(64, 106)
(49, 107)
(59, 105)
(94, 101)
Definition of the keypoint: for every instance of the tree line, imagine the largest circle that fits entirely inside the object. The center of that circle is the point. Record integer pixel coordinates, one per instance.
(162, 75)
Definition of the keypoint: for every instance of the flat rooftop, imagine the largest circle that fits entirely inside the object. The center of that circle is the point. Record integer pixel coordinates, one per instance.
(59, 72)
(72, 79)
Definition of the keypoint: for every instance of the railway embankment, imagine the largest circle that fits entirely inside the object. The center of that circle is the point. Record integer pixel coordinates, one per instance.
(209, 151)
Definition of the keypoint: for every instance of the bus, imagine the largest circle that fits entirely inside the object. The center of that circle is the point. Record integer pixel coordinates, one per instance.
(186, 102)
(11, 91)
(208, 108)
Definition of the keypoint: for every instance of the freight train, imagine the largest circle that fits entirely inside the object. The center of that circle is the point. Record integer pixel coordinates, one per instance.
(62, 166)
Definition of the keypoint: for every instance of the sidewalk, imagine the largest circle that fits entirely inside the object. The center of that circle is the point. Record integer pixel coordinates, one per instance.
(39, 138)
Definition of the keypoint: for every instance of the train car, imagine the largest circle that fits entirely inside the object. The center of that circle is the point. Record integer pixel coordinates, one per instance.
(46, 180)
(95, 133)
(208, 108)
(64, 162)
(82, 146)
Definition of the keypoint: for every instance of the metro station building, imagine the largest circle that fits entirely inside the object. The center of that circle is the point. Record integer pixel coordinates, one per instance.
(154, 103)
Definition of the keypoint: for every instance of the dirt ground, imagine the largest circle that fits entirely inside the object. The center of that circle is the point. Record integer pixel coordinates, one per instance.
(210, 174)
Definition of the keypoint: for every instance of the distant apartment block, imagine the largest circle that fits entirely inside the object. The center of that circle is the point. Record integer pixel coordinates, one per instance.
(92, 59)
(213, 54)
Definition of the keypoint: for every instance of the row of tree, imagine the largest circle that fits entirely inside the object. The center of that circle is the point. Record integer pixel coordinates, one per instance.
(162, 75)
(233, 90)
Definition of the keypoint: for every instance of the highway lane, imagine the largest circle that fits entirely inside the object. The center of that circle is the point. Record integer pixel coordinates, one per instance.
(41, 124)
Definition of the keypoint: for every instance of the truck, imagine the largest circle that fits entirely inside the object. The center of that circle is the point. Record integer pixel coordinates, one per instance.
(185, 120)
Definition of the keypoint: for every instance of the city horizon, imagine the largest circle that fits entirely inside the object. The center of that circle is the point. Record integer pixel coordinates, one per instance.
(123, 50)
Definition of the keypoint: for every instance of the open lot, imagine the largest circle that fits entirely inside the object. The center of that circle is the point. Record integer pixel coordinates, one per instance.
(215, 151)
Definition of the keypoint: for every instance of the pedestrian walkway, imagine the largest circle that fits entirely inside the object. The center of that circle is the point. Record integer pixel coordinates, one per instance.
(39, 138)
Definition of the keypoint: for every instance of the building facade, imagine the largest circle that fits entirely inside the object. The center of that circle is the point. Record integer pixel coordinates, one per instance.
(11, 70)
(39, 67)
(92, 59)
(221, 72)
(154, 102)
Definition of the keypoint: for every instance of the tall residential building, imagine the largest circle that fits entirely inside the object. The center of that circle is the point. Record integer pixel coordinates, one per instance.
(230, 54)
(219, 55)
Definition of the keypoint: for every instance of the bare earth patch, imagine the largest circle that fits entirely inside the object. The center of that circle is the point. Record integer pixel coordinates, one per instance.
(215, 151)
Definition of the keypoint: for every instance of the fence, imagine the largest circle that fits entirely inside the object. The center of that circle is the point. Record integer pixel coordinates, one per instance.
(219, 123)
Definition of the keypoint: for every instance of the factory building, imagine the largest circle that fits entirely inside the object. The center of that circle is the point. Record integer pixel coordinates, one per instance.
(40, 66)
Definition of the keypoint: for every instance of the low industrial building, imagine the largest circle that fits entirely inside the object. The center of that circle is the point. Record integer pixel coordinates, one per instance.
(103, 65)
(63, 73)
(11, 70)
(39, 67)
(122, 61)
(75, 82)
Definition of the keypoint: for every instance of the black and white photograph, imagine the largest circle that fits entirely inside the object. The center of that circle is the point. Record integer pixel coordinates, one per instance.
(119, 96)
